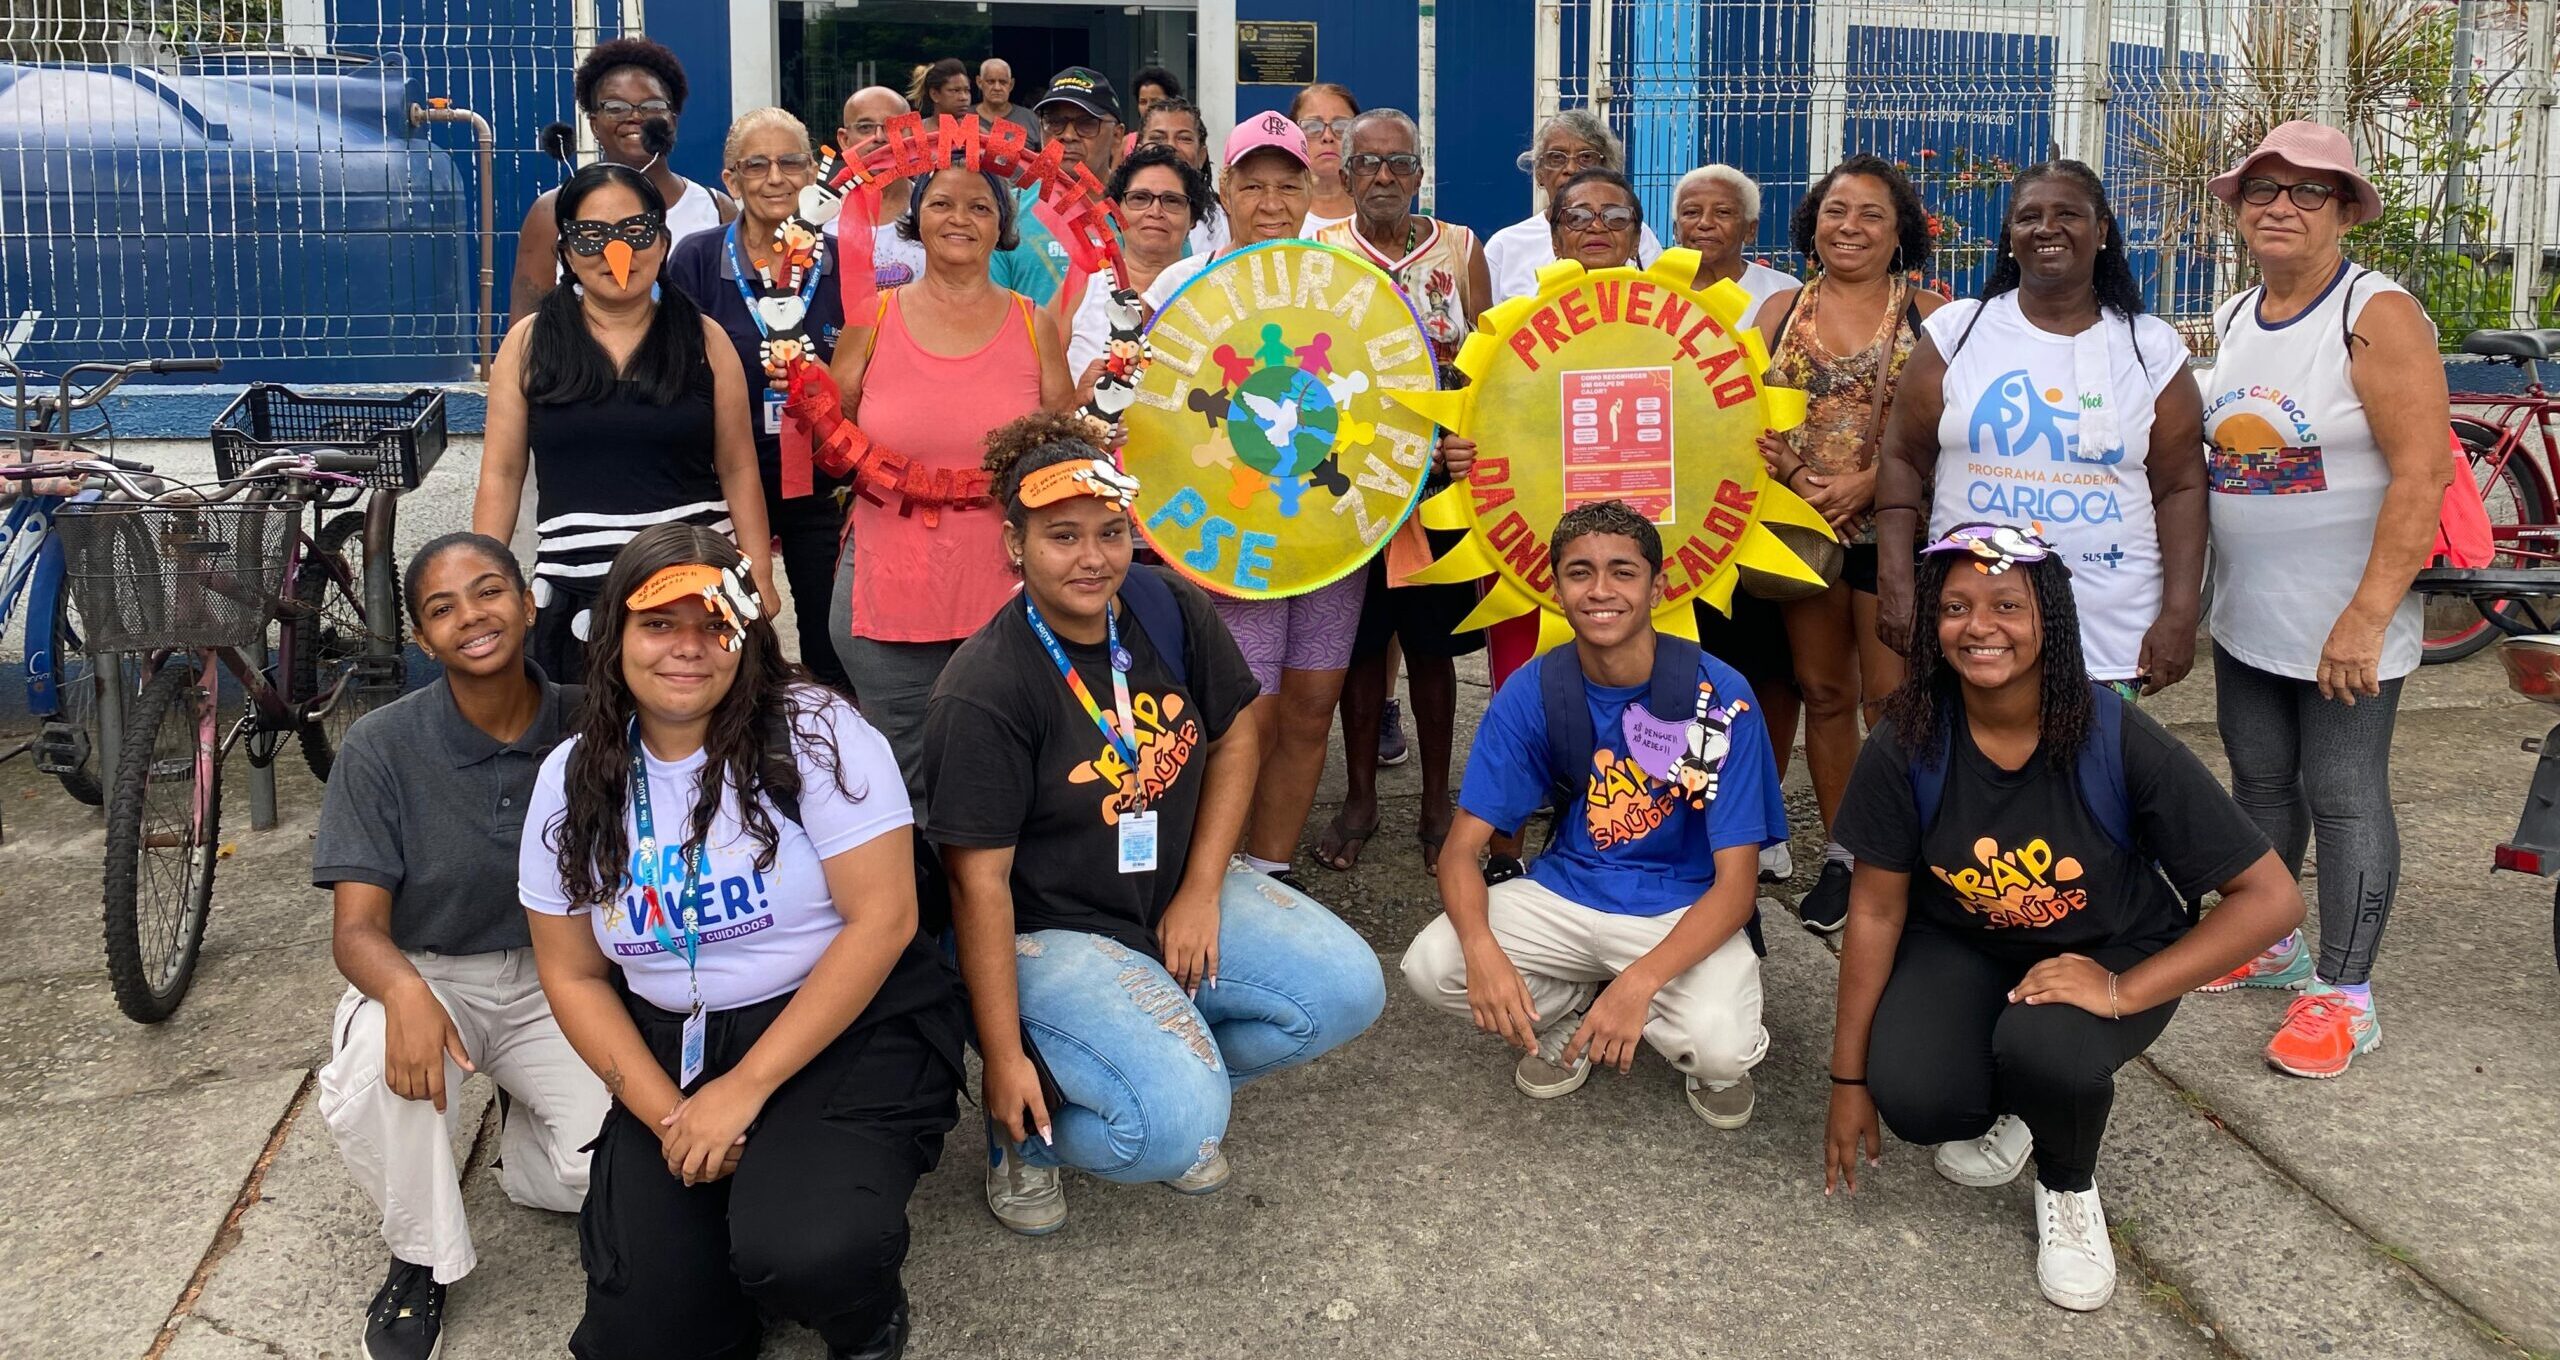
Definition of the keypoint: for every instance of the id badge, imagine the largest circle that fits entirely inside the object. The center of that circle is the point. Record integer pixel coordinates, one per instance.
(772, 412)
(1138, 842)
(689, 1062)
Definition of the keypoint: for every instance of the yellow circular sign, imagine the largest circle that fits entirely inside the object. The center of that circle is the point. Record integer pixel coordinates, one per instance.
(1628, 385)
(1269, 459)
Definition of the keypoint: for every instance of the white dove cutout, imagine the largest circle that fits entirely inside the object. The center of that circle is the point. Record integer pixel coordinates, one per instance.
(817, 206)
(1279, 418)
(1111, 397)
(781, 312)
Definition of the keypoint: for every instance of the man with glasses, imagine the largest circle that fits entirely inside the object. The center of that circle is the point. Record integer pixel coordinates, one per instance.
(632, 91)
(1567, 144)
(1441, 272)
(1176, 124)
(995, 99)
(1081, 113)
(895, 260)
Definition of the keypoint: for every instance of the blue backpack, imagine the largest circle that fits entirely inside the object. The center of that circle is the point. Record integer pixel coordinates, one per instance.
(1159, 615)
(1671, 694)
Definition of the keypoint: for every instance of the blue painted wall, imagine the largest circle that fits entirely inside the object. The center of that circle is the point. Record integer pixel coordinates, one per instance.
(699, 32)
(1485, 103)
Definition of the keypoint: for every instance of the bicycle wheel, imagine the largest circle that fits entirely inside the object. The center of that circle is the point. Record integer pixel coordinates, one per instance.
(333, 638)
(2459, 625)
(75, 688)
(164, 824)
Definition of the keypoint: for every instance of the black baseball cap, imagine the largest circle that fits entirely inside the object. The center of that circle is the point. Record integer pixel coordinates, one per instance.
(1083, 87)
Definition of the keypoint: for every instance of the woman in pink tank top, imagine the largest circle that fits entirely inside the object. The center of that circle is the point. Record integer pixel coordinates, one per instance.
(948, 358)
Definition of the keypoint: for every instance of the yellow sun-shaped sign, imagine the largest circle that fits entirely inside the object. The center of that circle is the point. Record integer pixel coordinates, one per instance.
(1621, 384)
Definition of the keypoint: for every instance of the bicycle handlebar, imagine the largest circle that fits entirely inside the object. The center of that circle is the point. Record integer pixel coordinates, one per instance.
(64, 401)
(186, 365)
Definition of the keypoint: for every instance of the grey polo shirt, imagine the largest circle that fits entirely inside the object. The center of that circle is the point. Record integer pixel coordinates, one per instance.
(431, 808)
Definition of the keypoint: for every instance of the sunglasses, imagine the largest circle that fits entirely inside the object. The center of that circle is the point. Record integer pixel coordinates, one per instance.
(1403, 164)
(587, 237)
(1317, 127)
(1994, 548)
(2309, 196)
(1614, 217)
(623, 108)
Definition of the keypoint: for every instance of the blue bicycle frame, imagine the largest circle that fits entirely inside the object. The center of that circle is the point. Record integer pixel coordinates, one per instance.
(37, 579)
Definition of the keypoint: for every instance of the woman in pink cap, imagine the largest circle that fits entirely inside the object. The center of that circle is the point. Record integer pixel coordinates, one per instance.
(2325, 420)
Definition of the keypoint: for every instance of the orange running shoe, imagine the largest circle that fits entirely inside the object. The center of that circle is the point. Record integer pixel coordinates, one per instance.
(2323, 1032)
(2290, 970)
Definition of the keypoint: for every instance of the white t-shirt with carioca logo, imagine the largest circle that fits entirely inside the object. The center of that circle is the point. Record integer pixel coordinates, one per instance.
(761, 930)
(2009, 453)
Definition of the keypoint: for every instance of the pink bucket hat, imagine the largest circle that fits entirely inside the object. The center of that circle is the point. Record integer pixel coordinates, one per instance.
(2316, 147)
(1276, 130)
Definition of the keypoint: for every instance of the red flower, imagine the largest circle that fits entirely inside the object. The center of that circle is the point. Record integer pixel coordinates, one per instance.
(1928, 155)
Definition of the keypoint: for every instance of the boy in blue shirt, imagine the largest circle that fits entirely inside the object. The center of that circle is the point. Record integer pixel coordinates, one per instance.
(1640, 922)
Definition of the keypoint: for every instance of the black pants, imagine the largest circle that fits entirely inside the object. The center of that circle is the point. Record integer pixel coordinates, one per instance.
(1950, 1053)
(806, 528)
(811, 1227)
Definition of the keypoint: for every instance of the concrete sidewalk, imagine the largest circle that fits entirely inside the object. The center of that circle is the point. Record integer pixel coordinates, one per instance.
(171, 1190)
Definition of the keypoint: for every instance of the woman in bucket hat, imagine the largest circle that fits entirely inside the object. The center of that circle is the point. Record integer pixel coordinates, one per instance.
(2325, 424)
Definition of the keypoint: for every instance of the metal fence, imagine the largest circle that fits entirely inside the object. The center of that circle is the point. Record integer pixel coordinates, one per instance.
(252, 180)
(2450, 105)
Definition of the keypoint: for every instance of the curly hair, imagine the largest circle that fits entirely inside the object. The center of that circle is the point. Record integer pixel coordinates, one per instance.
(1158, 156)
(2113, 277)
(1910, 219)
(609, 57)
(1605, 517)
(1018, 448)
(771, 712)
(1931, 694)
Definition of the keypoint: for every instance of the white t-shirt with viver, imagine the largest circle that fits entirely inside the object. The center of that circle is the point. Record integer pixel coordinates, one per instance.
(761, 930)
(2009, 452)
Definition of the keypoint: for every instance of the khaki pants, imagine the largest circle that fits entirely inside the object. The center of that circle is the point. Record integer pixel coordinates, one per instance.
(1705, 1021)
(401, 1151)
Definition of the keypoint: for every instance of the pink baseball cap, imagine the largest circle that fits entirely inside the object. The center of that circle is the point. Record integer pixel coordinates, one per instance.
(1267, 130)
(2316, 147)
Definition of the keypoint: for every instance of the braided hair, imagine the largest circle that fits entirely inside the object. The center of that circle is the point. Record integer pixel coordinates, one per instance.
(2113, 279)
(1932, 695)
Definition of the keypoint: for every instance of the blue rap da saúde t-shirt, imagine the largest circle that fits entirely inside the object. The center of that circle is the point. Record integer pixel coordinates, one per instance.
(1632, 843)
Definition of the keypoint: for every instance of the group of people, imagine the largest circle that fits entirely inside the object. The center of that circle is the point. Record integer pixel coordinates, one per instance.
(1023, 791)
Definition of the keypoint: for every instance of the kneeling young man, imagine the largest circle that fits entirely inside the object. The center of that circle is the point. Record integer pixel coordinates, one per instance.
(1640, 920)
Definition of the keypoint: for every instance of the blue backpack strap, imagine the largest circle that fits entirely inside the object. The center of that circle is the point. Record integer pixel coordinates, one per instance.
(1159, 614)
(1570, 740)
(1672, 693)
(1929, 781)
(2101, 774)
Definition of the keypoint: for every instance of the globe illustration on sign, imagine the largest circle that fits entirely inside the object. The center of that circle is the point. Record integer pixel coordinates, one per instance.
(1283, 421)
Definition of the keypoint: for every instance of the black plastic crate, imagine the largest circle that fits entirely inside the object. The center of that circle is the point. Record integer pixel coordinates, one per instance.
(406, 433)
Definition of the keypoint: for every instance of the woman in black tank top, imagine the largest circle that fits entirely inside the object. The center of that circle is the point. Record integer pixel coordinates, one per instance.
(660, 435)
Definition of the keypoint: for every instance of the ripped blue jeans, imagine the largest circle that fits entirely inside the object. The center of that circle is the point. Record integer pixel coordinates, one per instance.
(1147, 1072)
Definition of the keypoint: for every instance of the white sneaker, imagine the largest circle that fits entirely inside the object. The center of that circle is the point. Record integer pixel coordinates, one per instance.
(1026, 1198)
(1777, 865)
(1995, 1158)
(2075, 1263)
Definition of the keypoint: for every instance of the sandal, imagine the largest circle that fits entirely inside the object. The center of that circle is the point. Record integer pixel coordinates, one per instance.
(1431, 843)
(1339, 848)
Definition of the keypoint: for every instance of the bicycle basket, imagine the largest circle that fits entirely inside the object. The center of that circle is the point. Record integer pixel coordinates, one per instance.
(406, 433)
(148, 577)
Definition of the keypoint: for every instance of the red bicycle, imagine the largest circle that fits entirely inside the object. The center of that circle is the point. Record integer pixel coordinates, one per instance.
(2514, 452)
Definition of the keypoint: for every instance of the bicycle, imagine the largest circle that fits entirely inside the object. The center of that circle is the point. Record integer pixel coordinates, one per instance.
(62, 683)
(189, 579)
(2520, 485)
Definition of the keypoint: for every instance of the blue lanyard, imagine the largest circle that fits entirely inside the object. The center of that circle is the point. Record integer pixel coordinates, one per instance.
(687, 910)
(1121, 742)
(747, 287)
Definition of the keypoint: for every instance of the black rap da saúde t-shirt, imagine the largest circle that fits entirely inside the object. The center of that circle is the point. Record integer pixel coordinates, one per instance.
(2016, 859)
(1012, 759)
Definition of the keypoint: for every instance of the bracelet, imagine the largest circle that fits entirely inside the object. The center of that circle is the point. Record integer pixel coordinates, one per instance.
(1838, 1080)
(2111, 997)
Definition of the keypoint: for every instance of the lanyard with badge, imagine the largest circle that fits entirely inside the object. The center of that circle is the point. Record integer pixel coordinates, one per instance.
(773, 312)
(687, 910)
(1138, 824)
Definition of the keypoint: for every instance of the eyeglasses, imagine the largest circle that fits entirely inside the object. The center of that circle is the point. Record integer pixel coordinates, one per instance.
(865, 130)
(1317, 127)
(1572, 160)
(1402, 164)
(757, 167)
(1615, 217)
(2309, 196)
(1056, 125)
(619, 109)
(1141, 201)
(585, 236)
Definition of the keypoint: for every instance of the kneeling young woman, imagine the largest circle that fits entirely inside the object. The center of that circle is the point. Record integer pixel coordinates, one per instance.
(2026, 843)
(782, 1051)
(1089, 755)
